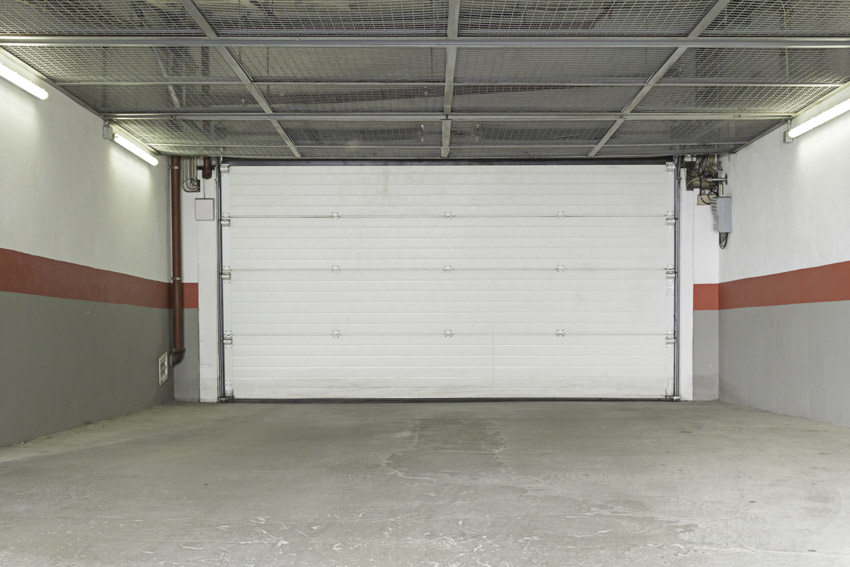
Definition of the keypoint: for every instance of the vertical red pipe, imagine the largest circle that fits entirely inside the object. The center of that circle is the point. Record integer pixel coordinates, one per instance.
(178, 349)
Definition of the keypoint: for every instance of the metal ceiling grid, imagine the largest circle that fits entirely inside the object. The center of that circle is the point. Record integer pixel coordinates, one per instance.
(326, 17)
(580, 17)
(96, 17)
(541, 98)
(527, 133)
(376, 96)
(777, 66)
(731, 99)
(664, 150)
(562, 65)
(353, 98)
(678, 132)
(353, 152)
(340, 64)
(365, 133)
(768, 18)
(166, 98)
(254, 152)
(126, 64)
(519, 152)
(202, 132)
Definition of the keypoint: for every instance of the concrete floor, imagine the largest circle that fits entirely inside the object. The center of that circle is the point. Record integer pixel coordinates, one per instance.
(437, 485)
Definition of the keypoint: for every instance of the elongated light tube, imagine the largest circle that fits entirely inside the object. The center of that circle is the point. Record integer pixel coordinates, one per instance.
(19, 80)
(819, 119)
(134, 149)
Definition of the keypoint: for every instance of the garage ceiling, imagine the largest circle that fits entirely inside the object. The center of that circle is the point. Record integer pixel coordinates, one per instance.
(437, 78)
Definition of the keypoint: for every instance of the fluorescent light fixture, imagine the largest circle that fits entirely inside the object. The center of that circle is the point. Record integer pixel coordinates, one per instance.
(22, 82)
(134, 149)
(833, 106)
(819, 119)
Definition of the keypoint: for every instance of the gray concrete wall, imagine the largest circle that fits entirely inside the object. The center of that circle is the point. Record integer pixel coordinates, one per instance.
(706, 355)
(67, 362)
(790, 359)
(187, 384)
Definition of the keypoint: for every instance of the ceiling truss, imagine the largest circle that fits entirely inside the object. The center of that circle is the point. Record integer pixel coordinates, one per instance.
(513, 88)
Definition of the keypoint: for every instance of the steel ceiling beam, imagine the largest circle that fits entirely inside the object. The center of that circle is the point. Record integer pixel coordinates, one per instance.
(431, 42)
(449, 84)
(460, 117)
(701, 26)
(237, 68)
(379, 84)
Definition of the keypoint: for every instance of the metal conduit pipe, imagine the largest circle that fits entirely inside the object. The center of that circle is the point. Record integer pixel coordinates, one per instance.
(178, 349)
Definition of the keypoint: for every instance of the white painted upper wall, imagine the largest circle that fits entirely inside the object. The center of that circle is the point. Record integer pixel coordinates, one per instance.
(790, 203)
(68, 194)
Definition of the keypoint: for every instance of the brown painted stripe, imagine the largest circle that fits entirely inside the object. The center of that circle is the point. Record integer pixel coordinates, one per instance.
(36, 275)
(190, 295)
(810, 285)
(706, 297)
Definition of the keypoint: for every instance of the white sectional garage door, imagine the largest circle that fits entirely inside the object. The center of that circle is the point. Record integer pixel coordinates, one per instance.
(445, 281)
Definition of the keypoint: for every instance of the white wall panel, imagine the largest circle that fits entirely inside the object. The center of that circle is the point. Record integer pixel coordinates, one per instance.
(448, 281)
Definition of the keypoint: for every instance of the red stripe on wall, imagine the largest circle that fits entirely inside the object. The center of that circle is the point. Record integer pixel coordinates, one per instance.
(36, 275)
(190, 295)
(809, 285)
(706, 297)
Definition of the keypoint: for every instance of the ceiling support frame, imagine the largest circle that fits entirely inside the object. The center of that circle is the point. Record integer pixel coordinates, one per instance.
(237, 68)
(703, 24)
(428, 42)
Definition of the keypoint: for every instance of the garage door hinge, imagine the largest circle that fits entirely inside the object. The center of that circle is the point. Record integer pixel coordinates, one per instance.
(225, 274)
(560, 333)
(228, 339)
(336, 333)
(448, 333)
(670, 271)
(671, 218)
(225, 221)
(671, 338)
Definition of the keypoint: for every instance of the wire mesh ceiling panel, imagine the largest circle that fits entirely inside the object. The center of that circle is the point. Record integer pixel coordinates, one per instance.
(166, 98)
(527, 133)
(727, 65)
(353, 98)
(399, 152)
(108, 64)
(96, 17)
(354, 134)
(203, 132)
(519, 98)
(581, 17)
(336, 64)
(783, 18)
(327, 17)
(519, 152)
(676, 132)
(611, 151)
(562, 65)
(731, 99)
(269, 152)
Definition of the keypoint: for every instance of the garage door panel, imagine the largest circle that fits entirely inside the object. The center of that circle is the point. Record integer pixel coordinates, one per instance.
(384, 281)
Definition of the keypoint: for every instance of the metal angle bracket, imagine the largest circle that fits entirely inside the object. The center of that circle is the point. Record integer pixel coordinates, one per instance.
(671, 167)
(224, 168)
